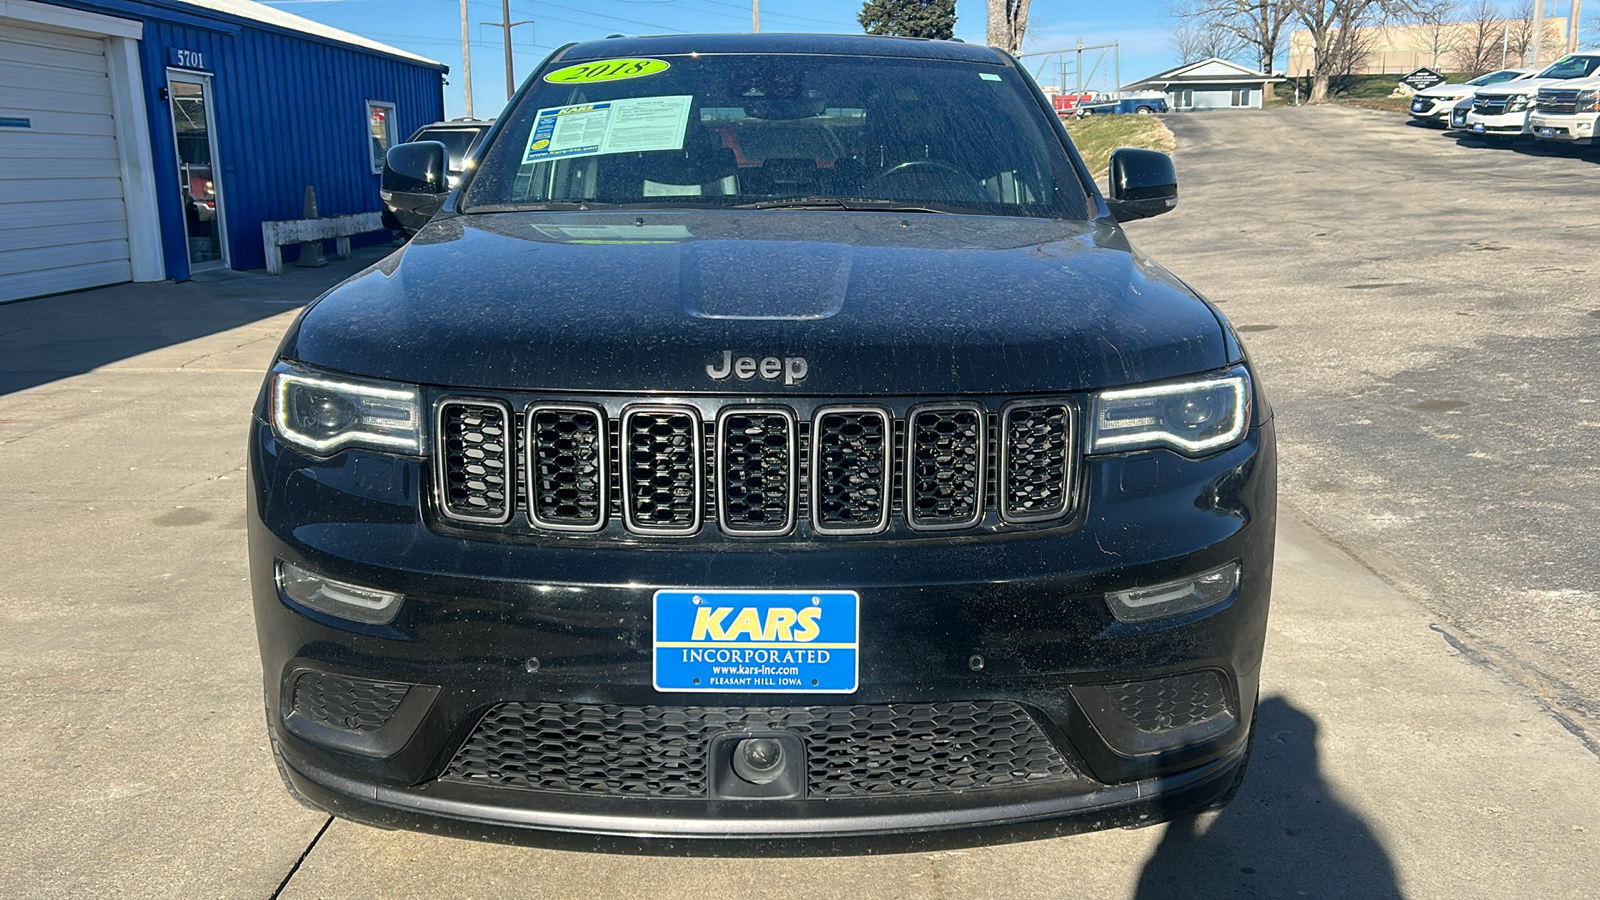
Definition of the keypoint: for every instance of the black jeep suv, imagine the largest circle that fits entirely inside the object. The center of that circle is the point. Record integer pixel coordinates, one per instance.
(774, 443)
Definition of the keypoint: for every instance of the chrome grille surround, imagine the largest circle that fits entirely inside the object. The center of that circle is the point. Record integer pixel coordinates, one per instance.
(1489, 106)
(1557, 102)
(855, 484)
(1018, 489)
(485, 475)
(666, 461)
(945, 463)
(572, 472)
(585, 460)
(738, 457)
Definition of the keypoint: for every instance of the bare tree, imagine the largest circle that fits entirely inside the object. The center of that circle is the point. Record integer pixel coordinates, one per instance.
(1258, 24)
(1198, 39)
(1338, 42)
(1522, 30)
(1008, 21)
(1478, 49)
(1441, 27)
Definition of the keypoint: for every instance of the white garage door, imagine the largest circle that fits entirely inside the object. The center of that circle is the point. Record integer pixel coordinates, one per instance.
(62, 222)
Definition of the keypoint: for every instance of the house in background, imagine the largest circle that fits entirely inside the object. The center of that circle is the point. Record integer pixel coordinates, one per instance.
(1211, 83)
(144, 140)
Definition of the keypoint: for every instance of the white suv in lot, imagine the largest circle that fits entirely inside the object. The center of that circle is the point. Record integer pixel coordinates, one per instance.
(1502, 110)
(1569, 112)
(1432, 105)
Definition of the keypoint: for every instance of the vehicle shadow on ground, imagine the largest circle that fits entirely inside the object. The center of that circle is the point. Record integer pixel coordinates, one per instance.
(49, 338)
(1285, 835)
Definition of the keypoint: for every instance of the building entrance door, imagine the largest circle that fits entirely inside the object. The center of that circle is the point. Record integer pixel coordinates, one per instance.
(199, 177)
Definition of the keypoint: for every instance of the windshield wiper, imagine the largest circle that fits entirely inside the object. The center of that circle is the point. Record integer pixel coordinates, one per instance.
(539, 205)
(853, 204)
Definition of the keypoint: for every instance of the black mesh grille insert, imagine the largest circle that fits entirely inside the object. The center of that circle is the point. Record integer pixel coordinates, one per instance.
(349, 704)
(944, 466)
(756, 489)
(567, 466)
(662, 478)
(1165, 704)
(1036, 476)
(851, 473)
(475, 460)
(851, 751)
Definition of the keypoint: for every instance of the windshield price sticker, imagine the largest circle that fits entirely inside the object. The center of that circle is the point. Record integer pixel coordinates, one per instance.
(633, 125)
(756, 641)
(608, 70)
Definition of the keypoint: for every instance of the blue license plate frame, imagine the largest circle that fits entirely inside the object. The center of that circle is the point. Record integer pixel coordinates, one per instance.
(756, 641)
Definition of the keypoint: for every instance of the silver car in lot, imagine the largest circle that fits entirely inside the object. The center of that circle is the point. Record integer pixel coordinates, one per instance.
(1433, 105)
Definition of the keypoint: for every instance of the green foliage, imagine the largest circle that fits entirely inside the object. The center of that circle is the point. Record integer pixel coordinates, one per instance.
(909, 18)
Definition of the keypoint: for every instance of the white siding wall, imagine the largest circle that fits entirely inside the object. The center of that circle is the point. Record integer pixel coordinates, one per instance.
(63, 223)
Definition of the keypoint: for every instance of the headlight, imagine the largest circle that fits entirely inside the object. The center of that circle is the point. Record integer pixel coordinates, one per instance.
(326, 413)
(1192, 417)
(1588, 101)
(1517, 103)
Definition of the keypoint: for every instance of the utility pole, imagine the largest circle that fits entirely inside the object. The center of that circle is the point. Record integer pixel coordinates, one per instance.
(755, 16)
(1573, 22)
(1538, 34)
(505, 24)
(466, 58)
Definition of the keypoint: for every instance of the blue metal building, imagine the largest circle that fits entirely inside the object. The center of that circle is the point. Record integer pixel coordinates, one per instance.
(155, 136)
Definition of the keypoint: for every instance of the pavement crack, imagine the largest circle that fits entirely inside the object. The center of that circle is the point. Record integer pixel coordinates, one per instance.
(1554, 695)
(297, 863)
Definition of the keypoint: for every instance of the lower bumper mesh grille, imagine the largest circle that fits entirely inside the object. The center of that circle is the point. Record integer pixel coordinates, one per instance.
(348, 704)
(1167, 704)
(851, 751)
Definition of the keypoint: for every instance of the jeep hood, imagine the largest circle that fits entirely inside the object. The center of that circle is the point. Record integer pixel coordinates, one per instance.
(661, 302)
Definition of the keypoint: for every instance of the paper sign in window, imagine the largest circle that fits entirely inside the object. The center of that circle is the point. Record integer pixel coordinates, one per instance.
(632, 125)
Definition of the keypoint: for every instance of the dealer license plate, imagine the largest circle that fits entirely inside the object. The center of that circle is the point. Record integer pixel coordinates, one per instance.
(1546, 132)
(1478, 127)
(763, 642)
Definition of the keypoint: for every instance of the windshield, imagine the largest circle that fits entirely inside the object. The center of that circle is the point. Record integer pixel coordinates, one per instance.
(1572, 67)
(746, 130)
(456, 141)
(1494, 77)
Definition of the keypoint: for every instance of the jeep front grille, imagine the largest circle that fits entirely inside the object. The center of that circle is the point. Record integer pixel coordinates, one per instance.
(850, 470)
(662, 470)
(755, 470)
(475, 460)
(567, 467)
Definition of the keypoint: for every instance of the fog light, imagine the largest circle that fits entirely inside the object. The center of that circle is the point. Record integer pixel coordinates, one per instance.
(337, 598)
(758, 760)
(1174, 597)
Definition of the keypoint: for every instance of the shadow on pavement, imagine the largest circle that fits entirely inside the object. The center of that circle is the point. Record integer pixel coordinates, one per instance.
(50, 338)
(1284, 835)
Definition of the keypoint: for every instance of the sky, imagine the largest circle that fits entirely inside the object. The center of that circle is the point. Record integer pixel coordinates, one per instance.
(432, 28)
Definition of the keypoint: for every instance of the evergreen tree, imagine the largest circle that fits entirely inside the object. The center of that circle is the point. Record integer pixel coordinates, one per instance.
(909, 18)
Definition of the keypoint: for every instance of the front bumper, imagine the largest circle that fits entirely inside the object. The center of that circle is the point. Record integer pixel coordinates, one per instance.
(1427, 109)
(1502, 125)
(1573, 129)
(945, 624)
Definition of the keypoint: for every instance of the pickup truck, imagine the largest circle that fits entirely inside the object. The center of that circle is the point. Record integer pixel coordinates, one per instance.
(1567, 112)
(1143, 106)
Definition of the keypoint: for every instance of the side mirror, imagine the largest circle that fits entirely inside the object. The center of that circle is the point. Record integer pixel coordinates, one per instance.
(1143, 184)
(415, 182)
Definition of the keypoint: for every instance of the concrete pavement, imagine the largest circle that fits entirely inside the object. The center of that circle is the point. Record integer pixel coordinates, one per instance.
(1390, 760)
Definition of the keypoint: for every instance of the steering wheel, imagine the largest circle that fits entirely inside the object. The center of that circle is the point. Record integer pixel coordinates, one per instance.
(956, 185)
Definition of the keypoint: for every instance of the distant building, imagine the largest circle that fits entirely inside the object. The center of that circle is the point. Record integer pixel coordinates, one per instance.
(1447, 47)
(1211, 83)
(144, 140)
